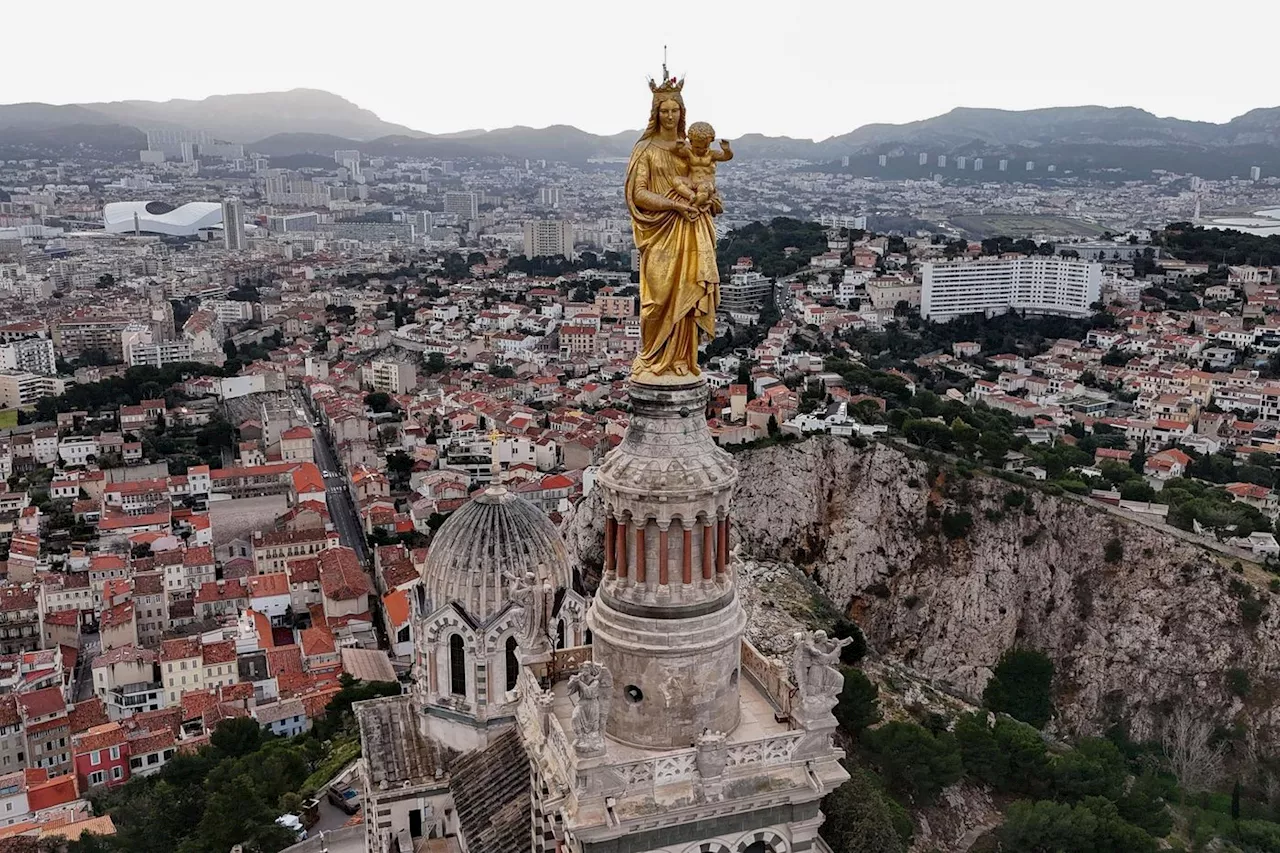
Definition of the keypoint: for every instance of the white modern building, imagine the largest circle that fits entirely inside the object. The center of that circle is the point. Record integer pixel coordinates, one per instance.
(157, 217)
(22, 388)
(990, 286)
(745, 291)
(349, 159)
(463, 205)
(34, 355)
(160, 353)
(548, 238)
(388, 376)
(140, 349)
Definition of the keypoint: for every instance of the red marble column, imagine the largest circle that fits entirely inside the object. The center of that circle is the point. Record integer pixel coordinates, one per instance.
(663, 557)
(708, 547)
(609, 527)
(641, 568)
(722, 546)
(620, 543)
(686, 564)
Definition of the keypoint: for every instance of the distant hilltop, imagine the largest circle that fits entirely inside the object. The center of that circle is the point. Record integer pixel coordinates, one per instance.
(1122, 140)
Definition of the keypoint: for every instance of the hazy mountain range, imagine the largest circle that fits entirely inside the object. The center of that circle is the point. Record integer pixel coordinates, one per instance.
(1124, 140)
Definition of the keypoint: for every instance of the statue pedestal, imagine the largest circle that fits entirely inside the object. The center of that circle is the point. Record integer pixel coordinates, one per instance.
(667, 621)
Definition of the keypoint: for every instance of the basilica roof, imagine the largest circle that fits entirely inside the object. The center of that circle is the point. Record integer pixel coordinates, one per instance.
(495, 535)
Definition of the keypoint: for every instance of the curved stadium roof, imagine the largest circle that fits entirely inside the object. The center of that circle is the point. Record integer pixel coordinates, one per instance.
(159, 218)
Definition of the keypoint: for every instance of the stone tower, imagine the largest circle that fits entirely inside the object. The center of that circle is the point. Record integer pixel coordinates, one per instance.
(669, 732)
(666, 620)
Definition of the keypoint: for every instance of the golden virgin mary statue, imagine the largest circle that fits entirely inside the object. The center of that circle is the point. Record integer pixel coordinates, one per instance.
(679, 281)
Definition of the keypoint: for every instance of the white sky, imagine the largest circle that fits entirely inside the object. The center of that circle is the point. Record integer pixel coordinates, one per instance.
(805, 68)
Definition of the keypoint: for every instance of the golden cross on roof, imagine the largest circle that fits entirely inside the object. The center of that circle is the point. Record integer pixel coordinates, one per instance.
(494, 436)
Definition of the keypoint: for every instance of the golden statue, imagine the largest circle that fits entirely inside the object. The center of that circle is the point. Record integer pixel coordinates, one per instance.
(671, 195)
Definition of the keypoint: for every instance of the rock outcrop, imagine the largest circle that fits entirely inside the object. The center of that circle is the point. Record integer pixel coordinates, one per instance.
(945, 572)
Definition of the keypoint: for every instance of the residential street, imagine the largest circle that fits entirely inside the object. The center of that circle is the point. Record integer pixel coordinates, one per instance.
(342, 508)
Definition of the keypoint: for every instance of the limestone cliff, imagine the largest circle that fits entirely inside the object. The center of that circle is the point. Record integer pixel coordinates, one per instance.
(1158, 625)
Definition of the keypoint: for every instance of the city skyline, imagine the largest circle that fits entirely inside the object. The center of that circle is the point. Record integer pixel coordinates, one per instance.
(747, 73)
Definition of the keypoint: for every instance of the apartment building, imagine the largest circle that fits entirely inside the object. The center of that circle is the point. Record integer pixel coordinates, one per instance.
(23, 388)
(181, 668)
(991, 286)
(463, 205)
(77, 333)
(32, 355)
(159, 353)
(274, 550)
(388, 376)
(548, 238)
(744, 291)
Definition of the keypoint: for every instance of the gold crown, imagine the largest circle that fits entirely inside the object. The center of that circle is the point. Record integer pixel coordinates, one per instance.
(669, 85)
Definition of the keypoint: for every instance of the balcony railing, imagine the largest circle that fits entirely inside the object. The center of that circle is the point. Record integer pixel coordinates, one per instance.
(546, 730)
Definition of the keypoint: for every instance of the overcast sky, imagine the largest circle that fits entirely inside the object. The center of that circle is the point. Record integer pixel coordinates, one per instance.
(805, 68)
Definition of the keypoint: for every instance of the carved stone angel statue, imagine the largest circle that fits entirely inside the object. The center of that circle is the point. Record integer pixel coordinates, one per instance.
(813, 668)
(589, 690)
(532, 599)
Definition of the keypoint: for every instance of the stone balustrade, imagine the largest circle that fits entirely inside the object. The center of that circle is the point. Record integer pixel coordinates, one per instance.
(772, 678)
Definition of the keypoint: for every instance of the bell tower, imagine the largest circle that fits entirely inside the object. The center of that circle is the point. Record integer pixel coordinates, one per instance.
(666, 620)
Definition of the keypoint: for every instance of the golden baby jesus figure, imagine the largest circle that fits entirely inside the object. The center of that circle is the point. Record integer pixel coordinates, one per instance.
(699, 188)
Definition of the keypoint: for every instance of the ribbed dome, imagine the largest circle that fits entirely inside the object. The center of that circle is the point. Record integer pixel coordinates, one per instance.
(494, 535)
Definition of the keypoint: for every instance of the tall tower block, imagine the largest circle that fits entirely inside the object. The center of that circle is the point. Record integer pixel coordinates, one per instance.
(667, 620)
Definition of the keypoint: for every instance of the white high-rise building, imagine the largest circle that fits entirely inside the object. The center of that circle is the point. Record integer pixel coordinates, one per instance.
(172, 142)
(349, 159)
(1255, 173)
(549, 196)
(233, 224)
(745, 291)
(548, 238)
(990, 286)
(34, 355)
(977, 164)
(924, 157)
(462, 204)
(1004, 165)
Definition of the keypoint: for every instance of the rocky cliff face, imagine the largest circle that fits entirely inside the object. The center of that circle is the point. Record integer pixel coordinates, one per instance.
(1159, 625)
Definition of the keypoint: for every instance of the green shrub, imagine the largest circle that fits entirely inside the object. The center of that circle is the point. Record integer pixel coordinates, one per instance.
(1145, 803)
(1251, 610)
(859, 818)
(956, 525)
(1238, 682)
(858, 705)
(1095, 768)
(913, 760)
(1014, 499)
(1021, 686)
(855, 651)
(1092, 826)
(1113, 551)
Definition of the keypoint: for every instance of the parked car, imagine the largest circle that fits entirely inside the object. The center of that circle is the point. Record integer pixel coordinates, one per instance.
(344, 797)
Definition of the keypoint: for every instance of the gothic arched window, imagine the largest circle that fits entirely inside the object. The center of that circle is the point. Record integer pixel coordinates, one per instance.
(560, 634)
(513, 665)
(457, 666)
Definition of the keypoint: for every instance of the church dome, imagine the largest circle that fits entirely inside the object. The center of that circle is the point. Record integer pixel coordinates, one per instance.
(496, 534)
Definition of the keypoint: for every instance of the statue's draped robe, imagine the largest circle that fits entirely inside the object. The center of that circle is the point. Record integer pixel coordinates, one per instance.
(679, 281)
